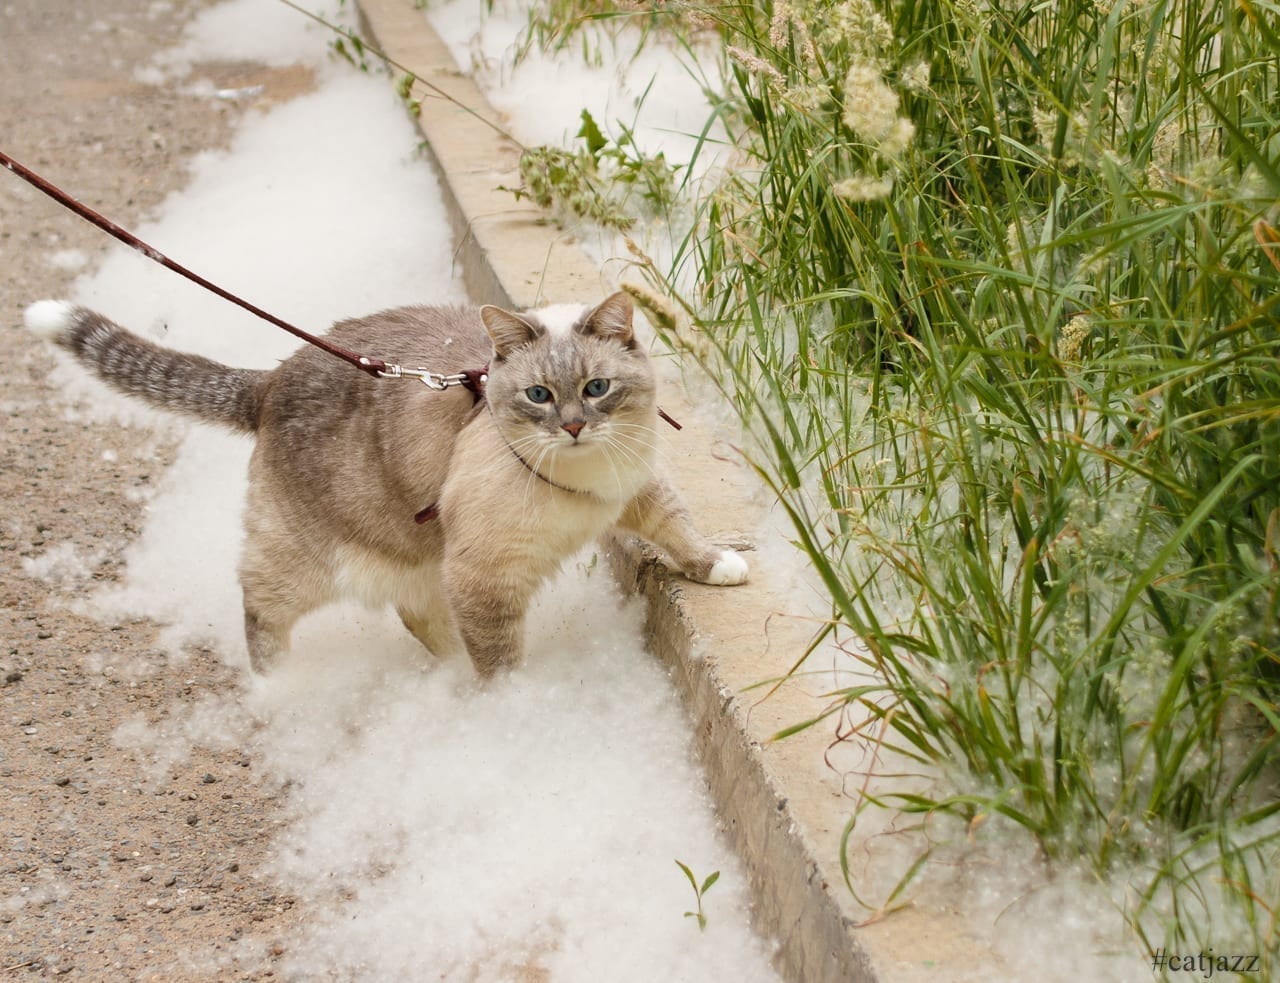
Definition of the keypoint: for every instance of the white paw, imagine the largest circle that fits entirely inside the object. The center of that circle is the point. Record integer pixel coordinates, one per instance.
(49, 318)
(729, 570)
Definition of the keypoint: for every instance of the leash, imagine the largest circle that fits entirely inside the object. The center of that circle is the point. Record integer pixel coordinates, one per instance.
(472, 379)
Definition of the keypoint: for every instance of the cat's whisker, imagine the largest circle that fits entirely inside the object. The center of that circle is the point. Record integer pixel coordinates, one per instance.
(638, 443)
(532, 450)
(520, 449)
(617, 454)
(660, 440)
(629, 450)
(642, 437)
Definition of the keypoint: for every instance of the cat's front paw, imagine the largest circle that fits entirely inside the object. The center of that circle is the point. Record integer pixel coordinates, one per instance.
(729, 570)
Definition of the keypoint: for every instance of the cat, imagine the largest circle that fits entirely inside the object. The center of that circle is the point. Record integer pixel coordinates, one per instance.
(451, 507)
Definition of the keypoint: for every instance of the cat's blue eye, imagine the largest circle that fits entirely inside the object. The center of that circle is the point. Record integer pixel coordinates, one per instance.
(597, 387)
(538, 394)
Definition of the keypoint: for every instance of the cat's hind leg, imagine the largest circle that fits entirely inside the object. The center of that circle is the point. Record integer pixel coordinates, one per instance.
(282, 580)
(271, 609)
(264, 641)
(430, 621)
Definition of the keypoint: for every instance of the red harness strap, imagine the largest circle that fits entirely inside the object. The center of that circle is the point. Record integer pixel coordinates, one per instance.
(474, 380)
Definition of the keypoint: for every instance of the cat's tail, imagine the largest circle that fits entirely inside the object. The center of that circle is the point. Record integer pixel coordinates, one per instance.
(170, 380)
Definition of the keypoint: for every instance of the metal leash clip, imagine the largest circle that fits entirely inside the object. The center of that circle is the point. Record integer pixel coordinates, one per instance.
(432, 380)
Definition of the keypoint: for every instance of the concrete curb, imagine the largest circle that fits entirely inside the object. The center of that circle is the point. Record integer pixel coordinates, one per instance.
(782, 810)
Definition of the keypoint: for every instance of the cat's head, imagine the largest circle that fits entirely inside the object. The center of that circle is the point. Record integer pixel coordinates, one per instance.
(570, 379)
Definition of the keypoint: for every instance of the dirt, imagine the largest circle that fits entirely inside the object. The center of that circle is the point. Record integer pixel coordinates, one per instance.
(108, 871)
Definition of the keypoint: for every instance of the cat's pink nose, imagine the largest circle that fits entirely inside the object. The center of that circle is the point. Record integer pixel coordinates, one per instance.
(573, 428)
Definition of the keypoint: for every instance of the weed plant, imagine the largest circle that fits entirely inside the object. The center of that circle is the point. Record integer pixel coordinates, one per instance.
(995, 284)
(589, 25)
(605, 180)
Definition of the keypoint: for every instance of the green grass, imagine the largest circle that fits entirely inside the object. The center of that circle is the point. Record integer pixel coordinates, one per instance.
(1022, 403)
(989, 283)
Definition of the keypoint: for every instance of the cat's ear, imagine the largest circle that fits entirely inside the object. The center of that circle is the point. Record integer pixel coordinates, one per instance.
(612, 319)
(507, 331)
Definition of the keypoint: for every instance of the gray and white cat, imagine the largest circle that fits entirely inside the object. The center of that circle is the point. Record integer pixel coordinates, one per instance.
(452, 510)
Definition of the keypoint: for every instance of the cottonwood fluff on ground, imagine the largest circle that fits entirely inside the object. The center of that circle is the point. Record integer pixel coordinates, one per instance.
(437, 830)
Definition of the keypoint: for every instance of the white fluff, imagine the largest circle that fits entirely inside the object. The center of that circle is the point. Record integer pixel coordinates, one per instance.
(730, 569)
(48, 318)
(559, 319)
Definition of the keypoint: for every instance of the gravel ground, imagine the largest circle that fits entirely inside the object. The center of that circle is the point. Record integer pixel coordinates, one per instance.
(108, 871)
